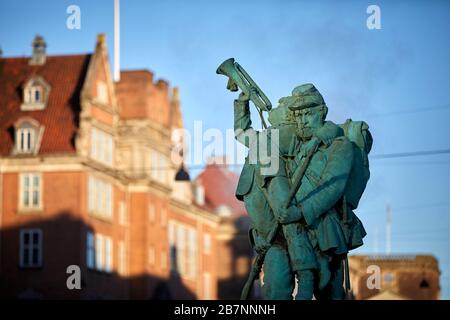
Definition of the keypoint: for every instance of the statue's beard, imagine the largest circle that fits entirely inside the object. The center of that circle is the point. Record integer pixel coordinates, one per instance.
(305, 133)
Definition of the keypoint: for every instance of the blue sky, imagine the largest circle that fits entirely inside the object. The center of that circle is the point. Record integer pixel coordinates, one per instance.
(386, 77)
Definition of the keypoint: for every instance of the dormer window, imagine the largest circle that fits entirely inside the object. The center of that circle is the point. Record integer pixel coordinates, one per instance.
(35, 94)
(28, 136)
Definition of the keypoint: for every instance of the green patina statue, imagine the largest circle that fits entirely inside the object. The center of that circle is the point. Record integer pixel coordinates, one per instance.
(302, 219)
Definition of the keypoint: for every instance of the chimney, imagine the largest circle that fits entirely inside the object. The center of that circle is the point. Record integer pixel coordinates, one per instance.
(163, 85)
(39, 55)
(1, 52)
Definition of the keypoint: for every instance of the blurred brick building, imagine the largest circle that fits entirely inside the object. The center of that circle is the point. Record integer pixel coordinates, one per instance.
(86, 178)
(402, 277)
(233, 245)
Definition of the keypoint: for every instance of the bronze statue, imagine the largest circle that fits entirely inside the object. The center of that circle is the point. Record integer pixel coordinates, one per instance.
(320, 176)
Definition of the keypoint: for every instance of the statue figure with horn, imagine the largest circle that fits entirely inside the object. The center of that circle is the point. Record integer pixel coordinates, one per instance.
(302, 219)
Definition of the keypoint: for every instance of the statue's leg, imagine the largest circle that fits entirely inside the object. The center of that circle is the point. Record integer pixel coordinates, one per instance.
(321, 294)
(278, 276)
(334, 290)
(305, 285)
(302, 259)
(337, 291)
(324, 270)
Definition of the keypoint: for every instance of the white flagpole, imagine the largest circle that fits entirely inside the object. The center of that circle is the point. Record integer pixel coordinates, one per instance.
(116, 40)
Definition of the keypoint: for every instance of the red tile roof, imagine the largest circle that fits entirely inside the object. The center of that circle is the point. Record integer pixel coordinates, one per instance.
(220, 187)
(65, 75)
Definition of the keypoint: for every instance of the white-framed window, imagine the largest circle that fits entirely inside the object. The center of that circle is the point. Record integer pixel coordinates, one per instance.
(25, 140)
(123, 218)
(100, 197)
(183, 249)
(30, 248)
(30, 191)
(191, 254)
(207, 285)
(122, 257)
(28, 135)
(108, 254)
(206, 243)
(102, 146)
(90, 250)
(102, 92)
(151, 255)
(99, 252)
(159, 167)
(151, 213)
(35, 94)
(180, 249)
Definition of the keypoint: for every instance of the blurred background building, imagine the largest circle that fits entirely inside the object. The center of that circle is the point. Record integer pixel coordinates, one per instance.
(401, 277)
(217, 185)
(87, 179)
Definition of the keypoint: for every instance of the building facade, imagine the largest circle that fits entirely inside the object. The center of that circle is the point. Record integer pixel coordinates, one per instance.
(86, 180)
(233, 243)
(393, 277)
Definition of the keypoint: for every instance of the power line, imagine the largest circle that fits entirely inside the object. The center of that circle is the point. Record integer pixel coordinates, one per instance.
(420, 240)
(406, 111)
(422, 206)
(437, 236)
(408, 207)
(409, 154)
(420, 232)
(416, 163)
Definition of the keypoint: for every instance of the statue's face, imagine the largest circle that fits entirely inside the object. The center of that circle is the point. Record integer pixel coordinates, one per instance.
(308, 120)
